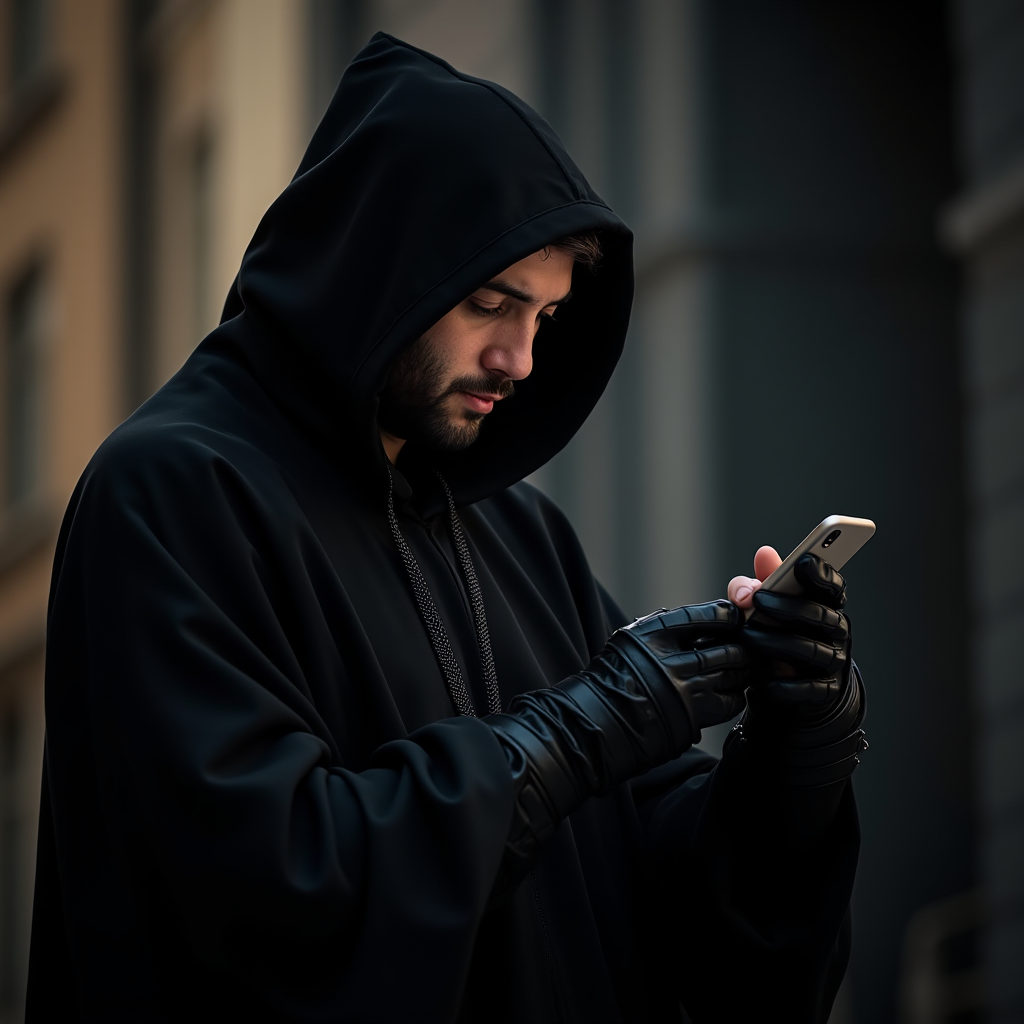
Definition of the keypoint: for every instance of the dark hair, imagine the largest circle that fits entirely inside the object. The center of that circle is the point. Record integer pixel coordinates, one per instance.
(584, 248)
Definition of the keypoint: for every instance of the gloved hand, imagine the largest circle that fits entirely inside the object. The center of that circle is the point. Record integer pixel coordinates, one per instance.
(805, 709)
(642, 701)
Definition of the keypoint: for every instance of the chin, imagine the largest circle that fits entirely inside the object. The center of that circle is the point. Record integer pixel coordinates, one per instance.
(459, 433)
(448, 434)
(464, 438)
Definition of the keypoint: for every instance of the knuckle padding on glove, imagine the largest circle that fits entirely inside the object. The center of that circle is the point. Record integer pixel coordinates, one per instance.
(710, 661)
(695, 619)
(818, 576)
(811, 614)
(803, 691)
(795, 649)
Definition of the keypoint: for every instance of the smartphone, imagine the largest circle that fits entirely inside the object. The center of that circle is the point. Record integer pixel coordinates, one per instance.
(835, 540)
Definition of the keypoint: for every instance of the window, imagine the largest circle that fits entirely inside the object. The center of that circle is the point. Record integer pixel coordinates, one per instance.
(25, 338)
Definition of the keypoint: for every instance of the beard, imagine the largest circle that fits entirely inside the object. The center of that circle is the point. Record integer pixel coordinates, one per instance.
(420, 402)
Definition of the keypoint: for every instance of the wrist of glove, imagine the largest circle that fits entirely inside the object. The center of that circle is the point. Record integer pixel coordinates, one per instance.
(805, 710)
(642, 701)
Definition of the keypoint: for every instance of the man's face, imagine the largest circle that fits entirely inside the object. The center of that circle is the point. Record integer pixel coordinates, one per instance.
(440, 388)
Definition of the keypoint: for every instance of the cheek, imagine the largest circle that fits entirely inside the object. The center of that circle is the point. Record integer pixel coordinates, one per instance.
(465, 349)
(459, 339)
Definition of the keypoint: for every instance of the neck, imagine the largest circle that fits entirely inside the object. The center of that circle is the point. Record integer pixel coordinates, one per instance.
(392, 445)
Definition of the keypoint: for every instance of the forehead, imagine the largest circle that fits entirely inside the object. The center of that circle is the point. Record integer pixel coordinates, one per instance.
(545, 275)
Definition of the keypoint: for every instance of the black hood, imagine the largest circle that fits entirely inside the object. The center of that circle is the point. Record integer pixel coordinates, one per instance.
(419, 185)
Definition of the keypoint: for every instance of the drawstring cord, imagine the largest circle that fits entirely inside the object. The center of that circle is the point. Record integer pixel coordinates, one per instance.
(476, 600)
(439, 640)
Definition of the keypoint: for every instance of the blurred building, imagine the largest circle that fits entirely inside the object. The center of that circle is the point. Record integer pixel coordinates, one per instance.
(802, 344)
(61, 179)
(985, 228)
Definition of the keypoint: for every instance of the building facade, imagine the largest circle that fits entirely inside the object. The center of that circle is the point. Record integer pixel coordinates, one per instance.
(984, 227)
(60, 334)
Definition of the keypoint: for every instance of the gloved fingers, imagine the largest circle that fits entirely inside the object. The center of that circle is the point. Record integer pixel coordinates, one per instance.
(809, 657)
(811, 618)
(712, 706)
(802, 691)
(820, 581)
(679, 628)
(726, 667)
(729, 661)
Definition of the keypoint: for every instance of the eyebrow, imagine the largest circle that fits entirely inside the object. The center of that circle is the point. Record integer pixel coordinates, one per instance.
(497, 285)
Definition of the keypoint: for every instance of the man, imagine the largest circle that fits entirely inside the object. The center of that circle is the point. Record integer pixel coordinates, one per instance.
(338, 725)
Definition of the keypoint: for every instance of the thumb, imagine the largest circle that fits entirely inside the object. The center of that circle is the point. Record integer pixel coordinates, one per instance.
(766, 561)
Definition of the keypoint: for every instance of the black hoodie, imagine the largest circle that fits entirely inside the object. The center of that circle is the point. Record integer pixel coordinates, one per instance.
(258, 803)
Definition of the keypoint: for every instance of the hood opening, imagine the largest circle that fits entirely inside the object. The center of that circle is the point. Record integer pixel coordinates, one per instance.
(419, 185)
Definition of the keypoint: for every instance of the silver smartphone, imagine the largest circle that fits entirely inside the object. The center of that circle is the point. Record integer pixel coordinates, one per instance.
(835, 540)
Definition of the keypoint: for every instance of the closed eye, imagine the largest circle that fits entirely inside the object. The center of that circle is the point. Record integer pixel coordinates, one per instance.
(485, 310)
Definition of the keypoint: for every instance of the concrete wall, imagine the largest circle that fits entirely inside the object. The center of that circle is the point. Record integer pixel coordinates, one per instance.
(793, 353)
(986, 228)
(837, 387)
(623, 86)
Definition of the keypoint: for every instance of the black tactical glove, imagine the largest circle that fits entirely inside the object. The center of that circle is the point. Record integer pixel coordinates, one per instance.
(803, 715)
(642, 701)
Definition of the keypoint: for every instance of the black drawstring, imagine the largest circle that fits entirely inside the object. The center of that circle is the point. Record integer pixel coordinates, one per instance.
(476, 600)
(432, 620)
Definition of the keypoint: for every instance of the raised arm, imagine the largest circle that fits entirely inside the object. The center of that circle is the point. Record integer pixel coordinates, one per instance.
(758, 857)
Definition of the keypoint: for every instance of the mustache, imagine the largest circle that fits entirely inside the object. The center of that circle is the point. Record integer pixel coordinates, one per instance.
(503, 387)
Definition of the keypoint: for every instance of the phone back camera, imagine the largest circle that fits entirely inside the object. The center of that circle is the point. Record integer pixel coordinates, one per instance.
(830, 538)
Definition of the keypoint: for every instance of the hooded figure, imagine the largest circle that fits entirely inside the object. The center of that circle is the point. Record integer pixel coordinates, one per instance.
(265, 796)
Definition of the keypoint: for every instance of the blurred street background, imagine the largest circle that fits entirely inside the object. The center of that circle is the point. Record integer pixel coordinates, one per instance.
(828, 199)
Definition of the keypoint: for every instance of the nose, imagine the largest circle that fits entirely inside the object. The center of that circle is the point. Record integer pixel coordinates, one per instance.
(511, 352)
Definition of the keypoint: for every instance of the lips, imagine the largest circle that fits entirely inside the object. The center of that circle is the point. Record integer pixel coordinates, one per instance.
(480, 403)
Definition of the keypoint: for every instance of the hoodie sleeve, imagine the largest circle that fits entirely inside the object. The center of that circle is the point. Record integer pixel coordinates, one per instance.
(753, 881)
(190, 773)
(760, 874)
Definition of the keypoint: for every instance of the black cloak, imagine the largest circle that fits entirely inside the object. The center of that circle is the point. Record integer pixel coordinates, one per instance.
(258, 803)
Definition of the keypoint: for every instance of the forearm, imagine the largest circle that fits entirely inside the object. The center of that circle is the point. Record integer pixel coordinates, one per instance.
(760, 855)
(575, 741)
(641, 702)
(797, 765)
(755, 880)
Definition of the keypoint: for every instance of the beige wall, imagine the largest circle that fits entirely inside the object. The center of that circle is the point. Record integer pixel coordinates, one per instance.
(60, 196)
(184, 53)
(230, 78)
